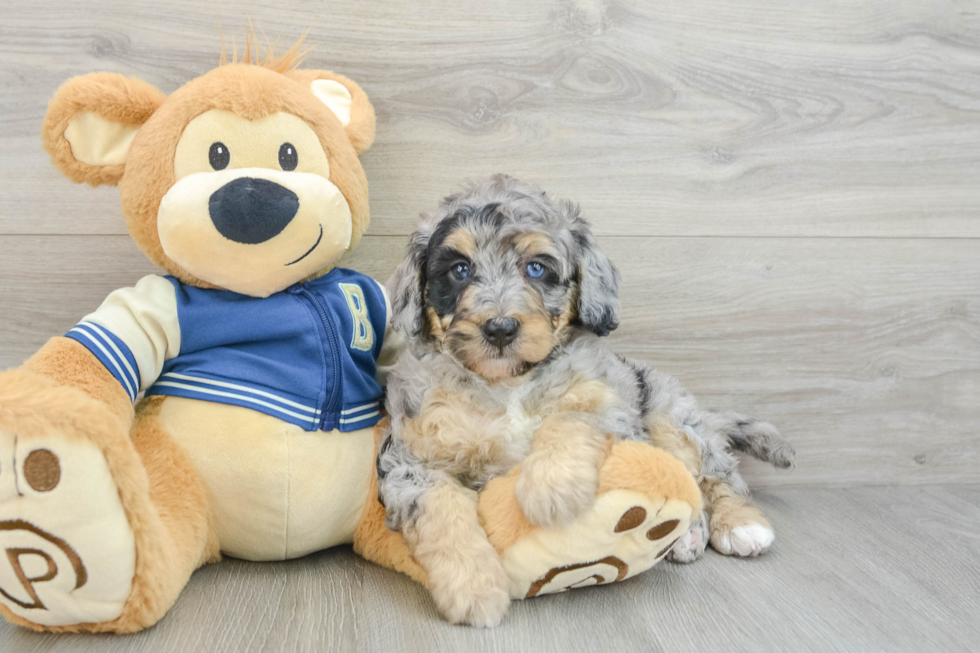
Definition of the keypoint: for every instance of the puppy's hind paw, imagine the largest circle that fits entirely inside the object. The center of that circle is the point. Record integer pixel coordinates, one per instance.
(745, 541)
(692, 544)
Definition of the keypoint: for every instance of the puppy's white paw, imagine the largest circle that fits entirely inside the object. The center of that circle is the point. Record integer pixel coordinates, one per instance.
(552, 496)
(743, 541)
(691, 545)
(475, 595)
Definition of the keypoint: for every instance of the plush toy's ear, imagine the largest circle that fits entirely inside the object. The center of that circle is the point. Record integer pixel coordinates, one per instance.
(91, 122)
(345, 99)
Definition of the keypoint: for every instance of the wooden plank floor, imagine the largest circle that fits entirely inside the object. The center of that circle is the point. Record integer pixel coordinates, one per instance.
(866, 569)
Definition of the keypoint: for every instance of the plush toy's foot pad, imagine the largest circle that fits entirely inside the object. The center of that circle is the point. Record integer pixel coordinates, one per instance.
(624, 534)
(67, 552)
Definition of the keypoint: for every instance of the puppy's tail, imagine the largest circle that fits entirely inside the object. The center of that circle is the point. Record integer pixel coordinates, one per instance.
(760, 439)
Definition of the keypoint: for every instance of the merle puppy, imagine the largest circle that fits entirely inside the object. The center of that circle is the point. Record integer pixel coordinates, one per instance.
(504, 297)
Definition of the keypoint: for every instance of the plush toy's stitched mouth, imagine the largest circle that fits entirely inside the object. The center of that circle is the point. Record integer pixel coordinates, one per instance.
(310, 250)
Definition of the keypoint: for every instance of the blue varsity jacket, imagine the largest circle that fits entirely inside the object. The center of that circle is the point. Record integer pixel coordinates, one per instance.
(307, 355)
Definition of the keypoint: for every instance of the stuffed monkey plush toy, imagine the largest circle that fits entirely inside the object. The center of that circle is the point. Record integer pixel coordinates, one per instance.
(257, 358)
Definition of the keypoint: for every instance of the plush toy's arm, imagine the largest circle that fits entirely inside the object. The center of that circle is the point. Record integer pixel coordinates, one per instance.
(118, 350)
(133, 332)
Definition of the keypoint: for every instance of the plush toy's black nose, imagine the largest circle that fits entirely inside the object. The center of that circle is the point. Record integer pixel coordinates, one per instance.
(252, 211)
(501, 331)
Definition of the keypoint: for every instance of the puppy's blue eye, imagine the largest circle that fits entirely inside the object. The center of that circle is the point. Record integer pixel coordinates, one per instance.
(461, 271)
(535, 270)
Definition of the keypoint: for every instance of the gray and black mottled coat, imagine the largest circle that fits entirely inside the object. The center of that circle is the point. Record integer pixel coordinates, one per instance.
(584, 282)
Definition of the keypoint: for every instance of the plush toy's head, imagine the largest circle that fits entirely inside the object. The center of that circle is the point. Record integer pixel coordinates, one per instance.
(246, 178)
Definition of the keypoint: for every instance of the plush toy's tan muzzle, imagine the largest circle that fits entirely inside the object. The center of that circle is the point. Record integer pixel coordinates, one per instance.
(254, 230)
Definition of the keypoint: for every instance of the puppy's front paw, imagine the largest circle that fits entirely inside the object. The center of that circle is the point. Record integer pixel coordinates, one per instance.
(475, 594)
(552, 494)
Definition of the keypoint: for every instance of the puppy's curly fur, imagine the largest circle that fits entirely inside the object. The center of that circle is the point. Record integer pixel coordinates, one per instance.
(504, 296)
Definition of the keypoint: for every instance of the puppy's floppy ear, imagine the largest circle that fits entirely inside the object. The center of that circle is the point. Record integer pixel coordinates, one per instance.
(345, 99)
(407, 285)
(91, 122)
(598, 303)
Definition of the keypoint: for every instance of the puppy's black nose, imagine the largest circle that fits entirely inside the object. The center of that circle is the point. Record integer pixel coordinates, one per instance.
(501, 331)
(252, 211)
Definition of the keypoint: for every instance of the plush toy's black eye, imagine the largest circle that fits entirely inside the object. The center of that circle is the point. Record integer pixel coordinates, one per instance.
(288, 157)
(219, 156)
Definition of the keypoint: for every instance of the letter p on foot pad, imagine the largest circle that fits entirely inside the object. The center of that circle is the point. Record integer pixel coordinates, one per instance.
(67, 552)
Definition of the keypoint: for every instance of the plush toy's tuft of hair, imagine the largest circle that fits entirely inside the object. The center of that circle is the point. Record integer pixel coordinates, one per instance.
(257, 54)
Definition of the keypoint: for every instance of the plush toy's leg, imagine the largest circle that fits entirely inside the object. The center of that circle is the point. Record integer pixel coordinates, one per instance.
(645, 501)
(100, 527)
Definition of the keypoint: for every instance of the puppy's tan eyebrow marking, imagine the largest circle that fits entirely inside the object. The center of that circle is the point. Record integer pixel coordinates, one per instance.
(462, 241)
(532, 243)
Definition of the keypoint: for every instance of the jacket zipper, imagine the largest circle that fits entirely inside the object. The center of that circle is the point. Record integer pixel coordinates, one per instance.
(329, 408)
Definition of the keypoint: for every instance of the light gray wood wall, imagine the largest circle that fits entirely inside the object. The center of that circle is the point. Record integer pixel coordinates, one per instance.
(792, 190)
